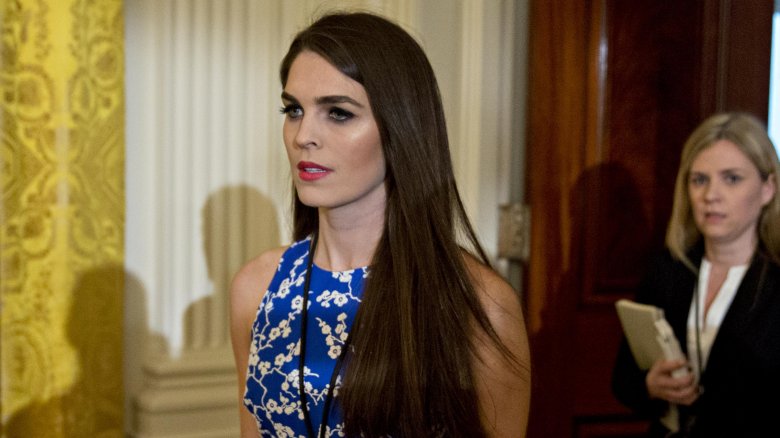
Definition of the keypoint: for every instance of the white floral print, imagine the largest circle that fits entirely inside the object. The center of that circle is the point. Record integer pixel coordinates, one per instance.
(272, 386)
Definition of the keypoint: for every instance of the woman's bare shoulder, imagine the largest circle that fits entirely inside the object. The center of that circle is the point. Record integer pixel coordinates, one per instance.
(498, 298)
(263, 265)
(246, 292)
(502, 375)
(503, 308)
(249, 283)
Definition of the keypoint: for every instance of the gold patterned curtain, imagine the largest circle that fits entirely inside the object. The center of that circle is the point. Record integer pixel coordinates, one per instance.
(61, 218)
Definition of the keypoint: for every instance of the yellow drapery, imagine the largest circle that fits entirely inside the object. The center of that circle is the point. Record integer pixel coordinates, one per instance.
(61, 217)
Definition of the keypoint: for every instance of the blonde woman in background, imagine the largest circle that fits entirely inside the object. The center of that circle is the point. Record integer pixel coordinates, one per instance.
(719, 287)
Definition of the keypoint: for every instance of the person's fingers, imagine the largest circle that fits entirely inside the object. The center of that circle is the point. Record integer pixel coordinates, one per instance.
(684, 396)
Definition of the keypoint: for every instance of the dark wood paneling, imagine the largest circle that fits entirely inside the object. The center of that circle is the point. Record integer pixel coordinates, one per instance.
(736, 43)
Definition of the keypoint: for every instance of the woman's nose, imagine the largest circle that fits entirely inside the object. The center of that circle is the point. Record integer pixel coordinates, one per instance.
(306, 133)
(712, 191)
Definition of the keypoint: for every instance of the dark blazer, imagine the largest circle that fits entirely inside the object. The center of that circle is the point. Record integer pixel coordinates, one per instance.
(741, 382)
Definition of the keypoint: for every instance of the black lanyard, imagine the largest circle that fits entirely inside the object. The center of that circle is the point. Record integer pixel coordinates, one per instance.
(302, 356)
(697, 326)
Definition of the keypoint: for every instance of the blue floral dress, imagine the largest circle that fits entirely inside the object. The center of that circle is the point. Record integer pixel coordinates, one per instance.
(272, 384)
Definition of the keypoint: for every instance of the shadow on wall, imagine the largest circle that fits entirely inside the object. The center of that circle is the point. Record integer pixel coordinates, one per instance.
(610, 231)
(609, 246)
(94, 405)
(239, 223)
(137, 337)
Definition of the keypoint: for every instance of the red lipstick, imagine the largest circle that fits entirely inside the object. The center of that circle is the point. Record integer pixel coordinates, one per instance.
(308, 171)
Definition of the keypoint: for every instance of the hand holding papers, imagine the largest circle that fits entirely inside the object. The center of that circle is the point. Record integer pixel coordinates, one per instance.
(649, 335)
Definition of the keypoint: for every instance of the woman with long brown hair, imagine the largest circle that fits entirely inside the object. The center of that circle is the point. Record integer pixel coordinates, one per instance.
(384, 318)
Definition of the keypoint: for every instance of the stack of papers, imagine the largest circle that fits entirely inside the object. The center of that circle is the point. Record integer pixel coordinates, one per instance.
(649, 335)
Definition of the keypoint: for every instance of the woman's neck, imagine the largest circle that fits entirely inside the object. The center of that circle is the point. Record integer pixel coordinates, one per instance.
(731, 254)
(348, 241)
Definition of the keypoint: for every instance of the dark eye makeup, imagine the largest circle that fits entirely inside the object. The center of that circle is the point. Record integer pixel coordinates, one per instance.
(292, 110)
(340, 115)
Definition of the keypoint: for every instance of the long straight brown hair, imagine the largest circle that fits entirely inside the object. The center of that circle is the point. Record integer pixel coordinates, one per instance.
(410, 371)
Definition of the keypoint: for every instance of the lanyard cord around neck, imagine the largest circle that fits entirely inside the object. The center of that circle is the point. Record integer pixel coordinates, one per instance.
(697, 328)
(302, 356)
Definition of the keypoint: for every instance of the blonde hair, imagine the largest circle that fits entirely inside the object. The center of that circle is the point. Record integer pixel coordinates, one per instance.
(750, 136)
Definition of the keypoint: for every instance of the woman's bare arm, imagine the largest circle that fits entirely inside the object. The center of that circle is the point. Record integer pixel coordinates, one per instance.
(246, 292)
(503, 384)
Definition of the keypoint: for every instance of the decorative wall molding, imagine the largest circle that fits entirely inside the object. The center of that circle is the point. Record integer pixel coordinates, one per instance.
(194, 395)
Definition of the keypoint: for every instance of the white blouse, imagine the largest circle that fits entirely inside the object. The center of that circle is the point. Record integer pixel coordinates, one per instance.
(707, 328)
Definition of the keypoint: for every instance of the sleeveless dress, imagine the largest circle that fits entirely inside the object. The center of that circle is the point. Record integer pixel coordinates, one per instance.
(271, 393)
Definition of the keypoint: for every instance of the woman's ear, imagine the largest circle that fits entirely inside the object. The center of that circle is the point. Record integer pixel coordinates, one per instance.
(768, 189)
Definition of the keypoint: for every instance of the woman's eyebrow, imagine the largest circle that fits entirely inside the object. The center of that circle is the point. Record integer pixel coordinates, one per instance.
(325, 100)
(329, 100)
(718, 171)
(288, 97)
